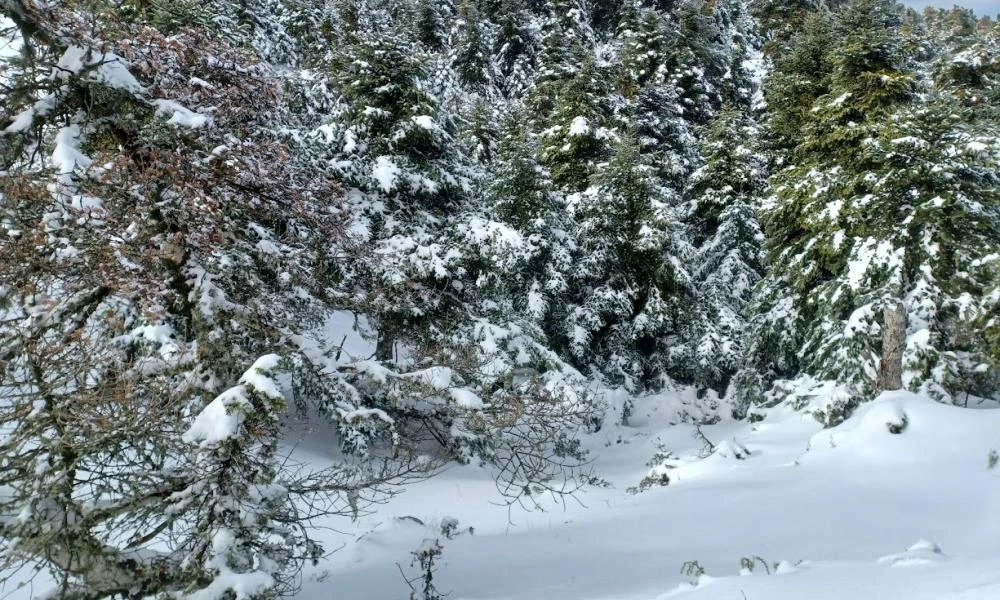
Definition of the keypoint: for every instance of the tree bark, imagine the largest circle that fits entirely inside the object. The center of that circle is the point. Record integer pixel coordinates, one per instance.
(890, 372)
(385, 346)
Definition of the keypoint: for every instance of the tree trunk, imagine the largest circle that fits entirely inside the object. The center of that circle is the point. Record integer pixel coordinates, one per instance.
(890, 372)
(104, 571)
(385, 345)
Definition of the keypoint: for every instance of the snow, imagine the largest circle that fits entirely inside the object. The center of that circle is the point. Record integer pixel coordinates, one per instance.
(466, 398)
(579, 126)
(181, 116)
(350, 142)
(113, 72)
(22, 121)
(221, 419)
(105, 67)
(922, 552)
(73, 60)
(385, 173)
(840, 99)
(868, 253)
(855, 511)
(425, 122)
(909, 140)
(67, 156)
(258, 377)
(243, 586)
(437, 378)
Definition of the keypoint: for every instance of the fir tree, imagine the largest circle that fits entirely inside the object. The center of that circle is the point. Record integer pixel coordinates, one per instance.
(472, 56)
(800, 75)
(851, 229)
(575, 138)
(626, 290)
(725, 231)
(515, 47)
(532, 282)
(397, 148)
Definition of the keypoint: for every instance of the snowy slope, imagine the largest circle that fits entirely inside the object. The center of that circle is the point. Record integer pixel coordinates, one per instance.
(840, 507)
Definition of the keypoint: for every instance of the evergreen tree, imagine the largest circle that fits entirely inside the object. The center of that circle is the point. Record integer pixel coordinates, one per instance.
(604, 15)
(473, 59)
(800, 76)
(857, 224)
(431, 23)
(626, 290)
(565, 49)
(425, 271)
(725, 231)
(533, 281)
(781, 20)
(645, 38)
(396, 147)
(515, 47)
(697, 62)
(575, 139)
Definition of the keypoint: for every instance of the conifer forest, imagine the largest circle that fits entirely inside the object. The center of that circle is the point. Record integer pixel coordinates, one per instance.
(484, 299)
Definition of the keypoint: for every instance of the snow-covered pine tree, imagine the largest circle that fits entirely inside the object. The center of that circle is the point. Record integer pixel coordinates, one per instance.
(395, 147)
(967, 66)
(521, 195)
(245, 532)
(644, 37)
(473, 57)
(868, 216)
(799, 311)
(800, 74)
(431, 21)
(722, 219)
(516, 45)
(426, 249)
(781, 20)
(945, 165)
(743, 58)
(697, 60)
(627, 292)
(570, 104)
(576, 137)
(665, 139)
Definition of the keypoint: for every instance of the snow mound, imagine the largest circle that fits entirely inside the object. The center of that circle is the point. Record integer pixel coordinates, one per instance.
(922, 552)
(901, 427)
(731, 449)
(703, 581)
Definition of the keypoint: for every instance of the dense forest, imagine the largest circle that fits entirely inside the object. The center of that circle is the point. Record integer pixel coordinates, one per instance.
(521, 204)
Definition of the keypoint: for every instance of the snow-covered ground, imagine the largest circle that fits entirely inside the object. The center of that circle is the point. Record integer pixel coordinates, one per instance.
(852, 512)
(899, 502)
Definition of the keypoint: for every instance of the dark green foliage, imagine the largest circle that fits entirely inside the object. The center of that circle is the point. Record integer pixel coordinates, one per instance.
(627, 295)
(725, 231)
(801, 74)
(473, 60)
(575, 137)
(888, 198)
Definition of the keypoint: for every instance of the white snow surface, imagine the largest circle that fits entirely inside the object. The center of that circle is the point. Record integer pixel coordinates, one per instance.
(385, 172)
(67, 156)
(851, 512)
(579, 126)
(854, 512)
